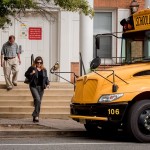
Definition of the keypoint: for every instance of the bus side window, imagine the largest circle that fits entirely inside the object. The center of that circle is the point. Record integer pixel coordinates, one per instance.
(136, 50)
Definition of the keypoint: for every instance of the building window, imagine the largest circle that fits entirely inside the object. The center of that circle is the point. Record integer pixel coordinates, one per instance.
(103, 24)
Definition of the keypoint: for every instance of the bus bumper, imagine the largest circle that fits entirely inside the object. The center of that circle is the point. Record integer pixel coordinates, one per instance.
(98, 112)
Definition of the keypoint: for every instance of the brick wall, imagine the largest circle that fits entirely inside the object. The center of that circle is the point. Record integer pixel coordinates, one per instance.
(75, 69)
(116, 4)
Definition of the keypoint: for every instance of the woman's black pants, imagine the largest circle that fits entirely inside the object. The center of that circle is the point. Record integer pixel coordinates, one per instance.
(37, 94)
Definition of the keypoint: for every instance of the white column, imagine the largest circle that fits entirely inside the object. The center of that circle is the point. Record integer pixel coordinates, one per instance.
(147, 4)
(64, 53)
(86, 39)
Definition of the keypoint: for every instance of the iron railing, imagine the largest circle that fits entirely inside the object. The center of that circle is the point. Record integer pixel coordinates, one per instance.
(32, 59)
(54, 71)
(81, 64)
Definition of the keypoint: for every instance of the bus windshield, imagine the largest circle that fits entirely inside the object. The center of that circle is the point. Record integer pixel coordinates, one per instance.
(136, 47)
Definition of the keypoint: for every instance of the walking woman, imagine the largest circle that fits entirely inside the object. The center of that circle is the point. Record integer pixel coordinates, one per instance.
(38, 81)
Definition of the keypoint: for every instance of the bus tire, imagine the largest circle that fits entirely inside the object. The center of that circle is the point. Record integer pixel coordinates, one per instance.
(138, 121)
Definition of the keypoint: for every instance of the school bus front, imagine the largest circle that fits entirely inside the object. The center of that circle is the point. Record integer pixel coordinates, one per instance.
(119, 97)
(94, 99)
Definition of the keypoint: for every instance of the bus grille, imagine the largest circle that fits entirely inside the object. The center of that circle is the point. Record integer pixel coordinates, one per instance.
(85, 91)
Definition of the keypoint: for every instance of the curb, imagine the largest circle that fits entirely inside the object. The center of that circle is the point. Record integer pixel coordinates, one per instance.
(40, 133)
(36, 130)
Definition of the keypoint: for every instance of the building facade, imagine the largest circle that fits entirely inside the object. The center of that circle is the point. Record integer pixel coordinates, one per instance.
(108, 15)
(60, 40)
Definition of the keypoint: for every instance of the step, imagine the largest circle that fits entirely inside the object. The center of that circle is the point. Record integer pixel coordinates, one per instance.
(57, 115)
(29, 97)
(44, 109)
(26, 92)
(9, 103)
(52, 85)
(18, 103)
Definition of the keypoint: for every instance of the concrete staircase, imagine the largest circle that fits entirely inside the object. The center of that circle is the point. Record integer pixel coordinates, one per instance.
(18, 103)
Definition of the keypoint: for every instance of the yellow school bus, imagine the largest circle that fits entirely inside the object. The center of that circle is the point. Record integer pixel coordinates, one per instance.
(119, 97)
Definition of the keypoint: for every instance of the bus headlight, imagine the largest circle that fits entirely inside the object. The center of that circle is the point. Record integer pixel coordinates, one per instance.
(109, 97)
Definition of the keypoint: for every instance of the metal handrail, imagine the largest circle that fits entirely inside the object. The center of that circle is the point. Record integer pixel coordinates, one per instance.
(81, 64)
(57, 73)
(32, 59)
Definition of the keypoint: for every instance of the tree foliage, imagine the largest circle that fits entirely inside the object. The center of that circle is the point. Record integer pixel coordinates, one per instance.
(16, 7)
(75, 5)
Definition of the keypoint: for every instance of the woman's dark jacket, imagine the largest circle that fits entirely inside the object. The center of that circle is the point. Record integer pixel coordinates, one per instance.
(33, 79)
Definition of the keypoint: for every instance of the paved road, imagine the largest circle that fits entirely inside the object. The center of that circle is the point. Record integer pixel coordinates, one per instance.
(87, 142)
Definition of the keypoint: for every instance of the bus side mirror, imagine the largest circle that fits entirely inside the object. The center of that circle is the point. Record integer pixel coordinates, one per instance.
(97, 42)
(95, 63)
(55, 67)
(114, 88)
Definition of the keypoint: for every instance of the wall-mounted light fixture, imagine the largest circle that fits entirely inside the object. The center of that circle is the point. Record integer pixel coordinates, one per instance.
(134, 6)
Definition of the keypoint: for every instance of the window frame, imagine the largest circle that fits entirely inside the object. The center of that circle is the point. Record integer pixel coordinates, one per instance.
(114, 40)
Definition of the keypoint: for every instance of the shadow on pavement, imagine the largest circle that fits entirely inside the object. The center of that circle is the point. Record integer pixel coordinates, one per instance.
(118, 136)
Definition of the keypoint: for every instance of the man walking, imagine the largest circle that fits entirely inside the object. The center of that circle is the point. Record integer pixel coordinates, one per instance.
(9, 62)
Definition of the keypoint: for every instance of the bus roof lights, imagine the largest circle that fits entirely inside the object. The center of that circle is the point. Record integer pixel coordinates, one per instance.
(127, 23)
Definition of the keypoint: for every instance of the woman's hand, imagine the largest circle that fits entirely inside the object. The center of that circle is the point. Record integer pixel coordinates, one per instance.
(48, 86)
(33, 72)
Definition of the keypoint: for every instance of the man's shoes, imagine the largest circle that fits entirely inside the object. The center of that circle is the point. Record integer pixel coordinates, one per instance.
(35, 119)
(14, 83)
(9, 88)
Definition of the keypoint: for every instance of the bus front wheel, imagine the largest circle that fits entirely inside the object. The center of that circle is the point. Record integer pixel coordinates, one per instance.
(138, 122)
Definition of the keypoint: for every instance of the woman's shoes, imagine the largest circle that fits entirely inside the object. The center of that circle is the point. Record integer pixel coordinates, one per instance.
(35, 119)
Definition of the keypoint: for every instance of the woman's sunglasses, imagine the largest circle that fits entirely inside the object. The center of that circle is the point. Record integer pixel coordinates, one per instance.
(39, 62)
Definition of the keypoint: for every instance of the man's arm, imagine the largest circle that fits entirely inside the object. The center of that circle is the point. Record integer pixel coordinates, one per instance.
(1, 60)
(2, 54)
(19, 58)
(18, 53)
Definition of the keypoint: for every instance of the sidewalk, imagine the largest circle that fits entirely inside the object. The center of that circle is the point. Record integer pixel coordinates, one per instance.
(46, 127)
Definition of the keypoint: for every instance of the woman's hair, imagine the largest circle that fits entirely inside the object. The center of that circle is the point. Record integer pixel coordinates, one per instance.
(36, 60)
